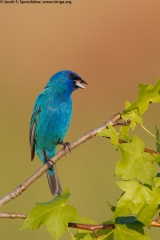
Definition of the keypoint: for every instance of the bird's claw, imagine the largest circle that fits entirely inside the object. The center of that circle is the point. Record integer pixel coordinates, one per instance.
(66, 146)
(48, 161)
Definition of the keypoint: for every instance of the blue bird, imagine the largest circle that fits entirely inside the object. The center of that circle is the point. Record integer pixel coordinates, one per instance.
(51, 119)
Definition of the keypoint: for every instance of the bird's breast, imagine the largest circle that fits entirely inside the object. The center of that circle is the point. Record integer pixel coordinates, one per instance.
(53, 123)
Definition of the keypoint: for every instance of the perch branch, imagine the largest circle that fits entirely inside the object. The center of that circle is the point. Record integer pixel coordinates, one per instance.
(24, 185)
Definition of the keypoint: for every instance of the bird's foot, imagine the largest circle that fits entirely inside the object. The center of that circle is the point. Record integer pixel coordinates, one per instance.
(66, 146)
(48, 161)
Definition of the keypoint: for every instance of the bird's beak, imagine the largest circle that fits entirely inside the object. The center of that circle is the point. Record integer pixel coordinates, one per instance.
(79, 83)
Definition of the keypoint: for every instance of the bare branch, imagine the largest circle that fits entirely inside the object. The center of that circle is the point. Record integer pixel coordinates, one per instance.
(94, 228)
(91, 227)
(24, 185)
(155, 222)
(12, 215)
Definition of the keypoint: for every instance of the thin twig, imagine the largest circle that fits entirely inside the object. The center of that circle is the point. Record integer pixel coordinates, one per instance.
(13, 215)
(155, 222)
(24, 185)
(91, 227)
(94, 228)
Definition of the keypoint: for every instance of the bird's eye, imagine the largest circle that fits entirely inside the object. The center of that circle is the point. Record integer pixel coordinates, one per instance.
(71, 75)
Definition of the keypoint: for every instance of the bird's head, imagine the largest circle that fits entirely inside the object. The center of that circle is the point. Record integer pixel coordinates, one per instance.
(66, 81)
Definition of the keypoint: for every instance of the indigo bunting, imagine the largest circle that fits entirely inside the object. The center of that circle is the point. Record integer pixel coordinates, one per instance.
(51, 119)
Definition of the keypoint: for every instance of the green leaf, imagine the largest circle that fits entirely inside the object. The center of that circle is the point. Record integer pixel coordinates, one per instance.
(157, 158)
(132, 115)
(137, 200)
(111, 133)
(84, 237)
(112, 207)
(55, 215)
(124, 131)
(88, 237)
(147, 94)
(157, 181)
(127, 220)
(157, 139)
(132, 231)
(107, 234)
(135, 163)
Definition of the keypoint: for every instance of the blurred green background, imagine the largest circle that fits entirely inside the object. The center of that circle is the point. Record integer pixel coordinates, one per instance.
(111, 44)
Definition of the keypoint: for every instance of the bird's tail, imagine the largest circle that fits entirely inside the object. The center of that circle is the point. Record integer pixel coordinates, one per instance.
(54, 182)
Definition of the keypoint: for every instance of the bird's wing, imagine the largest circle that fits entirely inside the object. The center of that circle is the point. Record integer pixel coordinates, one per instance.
(33, 124)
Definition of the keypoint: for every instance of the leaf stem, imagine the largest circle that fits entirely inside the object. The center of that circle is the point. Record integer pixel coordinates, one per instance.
(71, 234)
(147, 130)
